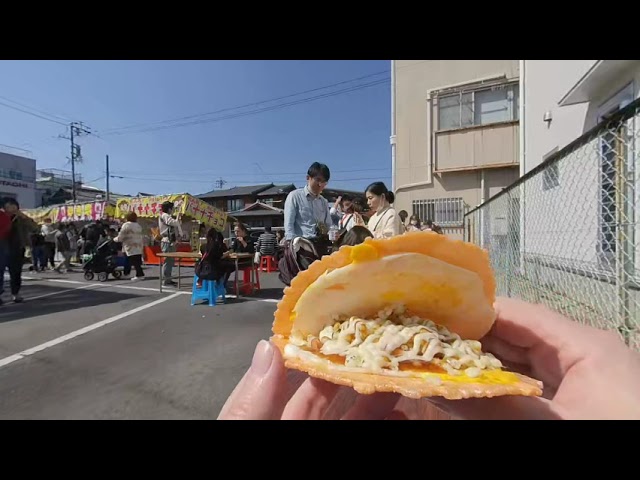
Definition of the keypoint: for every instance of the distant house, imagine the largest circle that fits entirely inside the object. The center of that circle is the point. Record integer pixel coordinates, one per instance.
(332, 194)
(259, 215)
(276, 195)
(237, 198)
(55, 187)
(259, 206)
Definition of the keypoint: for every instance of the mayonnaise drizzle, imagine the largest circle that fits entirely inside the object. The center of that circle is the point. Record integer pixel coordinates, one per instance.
(392, 338)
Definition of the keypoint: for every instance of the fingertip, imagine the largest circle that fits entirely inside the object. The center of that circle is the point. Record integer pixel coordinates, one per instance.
(262, 357)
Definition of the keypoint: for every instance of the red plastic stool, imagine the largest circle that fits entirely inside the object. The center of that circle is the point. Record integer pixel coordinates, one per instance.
(246, 280)
(268, 264)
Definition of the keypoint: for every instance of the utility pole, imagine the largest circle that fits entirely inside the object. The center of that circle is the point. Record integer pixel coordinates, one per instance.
(73, 165)
(75, 130)
(107, 178)
(220, 183)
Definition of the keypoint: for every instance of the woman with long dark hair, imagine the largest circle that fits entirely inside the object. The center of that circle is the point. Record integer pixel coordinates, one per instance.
(357, 235)
(385, 222)
(212, 266)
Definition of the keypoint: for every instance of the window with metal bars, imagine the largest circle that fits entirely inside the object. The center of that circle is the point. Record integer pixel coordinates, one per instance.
(442, 211)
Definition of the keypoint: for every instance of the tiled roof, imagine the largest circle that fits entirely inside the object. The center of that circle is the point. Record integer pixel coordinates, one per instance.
(257, 213)
(277, 190)
(236, 191)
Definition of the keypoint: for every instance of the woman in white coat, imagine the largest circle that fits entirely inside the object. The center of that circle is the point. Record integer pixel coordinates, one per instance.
(385, 222)
(131, 238)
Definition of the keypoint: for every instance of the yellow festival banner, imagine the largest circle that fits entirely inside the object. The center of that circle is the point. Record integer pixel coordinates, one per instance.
(186, 205)
(80, 212)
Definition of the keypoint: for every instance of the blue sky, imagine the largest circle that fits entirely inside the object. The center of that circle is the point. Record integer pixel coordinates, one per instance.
(349, 132)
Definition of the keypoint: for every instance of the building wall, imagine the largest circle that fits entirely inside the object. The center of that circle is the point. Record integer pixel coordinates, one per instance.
(545, 83)
(550, 229)
(463, 184)
(415, 162)
(17, 179)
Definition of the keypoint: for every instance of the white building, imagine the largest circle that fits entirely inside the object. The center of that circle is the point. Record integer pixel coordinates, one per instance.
(17, 179)
(574, 212)
(573, 96)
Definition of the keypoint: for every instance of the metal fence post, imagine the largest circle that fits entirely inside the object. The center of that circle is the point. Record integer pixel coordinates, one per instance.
(625, 223)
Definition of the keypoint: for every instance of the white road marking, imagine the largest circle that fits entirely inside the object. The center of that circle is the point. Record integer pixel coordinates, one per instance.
(50, 294)
(106, 284)
(145, 289)
(57, 341)
(254, 299)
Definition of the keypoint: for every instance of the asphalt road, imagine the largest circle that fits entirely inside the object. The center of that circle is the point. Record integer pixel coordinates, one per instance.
(121, 350)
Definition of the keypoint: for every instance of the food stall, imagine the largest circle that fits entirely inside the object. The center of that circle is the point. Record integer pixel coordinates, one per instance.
(73, 213)
(193, 212)
(79, 214)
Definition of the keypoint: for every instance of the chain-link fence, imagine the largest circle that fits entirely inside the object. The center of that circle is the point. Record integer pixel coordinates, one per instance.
(565, 234)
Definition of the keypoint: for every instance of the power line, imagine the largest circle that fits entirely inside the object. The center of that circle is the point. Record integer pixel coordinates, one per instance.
(216, 173)
(256, 111)
(252, 104)
(121, 177)
(94, 180)
(16, 148)
(32, 114)
(67, 120)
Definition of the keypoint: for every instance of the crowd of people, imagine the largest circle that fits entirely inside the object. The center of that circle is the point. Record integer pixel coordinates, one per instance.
(309, 221)
(65, 241)
(307, 213)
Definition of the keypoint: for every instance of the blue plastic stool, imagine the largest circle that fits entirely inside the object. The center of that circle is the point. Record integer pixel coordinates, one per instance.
(209, 291)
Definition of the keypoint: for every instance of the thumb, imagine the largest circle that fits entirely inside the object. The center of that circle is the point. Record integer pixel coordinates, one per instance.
(260, 393)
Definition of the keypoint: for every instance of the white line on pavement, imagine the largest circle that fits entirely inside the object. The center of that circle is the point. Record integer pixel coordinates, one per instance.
(28, 299)
(146, 289)
(56, 341)
(253, 299)
(114, 285)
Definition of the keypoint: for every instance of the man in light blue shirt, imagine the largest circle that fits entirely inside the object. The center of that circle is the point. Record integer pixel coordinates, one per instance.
(306, 211)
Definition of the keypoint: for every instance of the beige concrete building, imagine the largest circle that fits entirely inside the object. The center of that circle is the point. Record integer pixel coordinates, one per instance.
(455, 135)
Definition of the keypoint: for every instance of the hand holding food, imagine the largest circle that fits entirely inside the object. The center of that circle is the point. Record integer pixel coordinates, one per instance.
(588, 373)
(405, 315)
(265, 393)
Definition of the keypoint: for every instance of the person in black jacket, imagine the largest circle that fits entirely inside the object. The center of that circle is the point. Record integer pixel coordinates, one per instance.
(212, 266)
(243, 243)
(90, 235)
(14, 247)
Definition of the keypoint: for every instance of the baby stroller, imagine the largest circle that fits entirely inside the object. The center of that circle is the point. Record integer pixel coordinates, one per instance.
(102, 262)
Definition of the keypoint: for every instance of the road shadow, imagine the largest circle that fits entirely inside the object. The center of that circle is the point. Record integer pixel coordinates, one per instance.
(63, 300)
(269, 293)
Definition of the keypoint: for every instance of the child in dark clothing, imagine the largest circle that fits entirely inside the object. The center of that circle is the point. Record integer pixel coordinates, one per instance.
(38, 254)
(212, 266)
